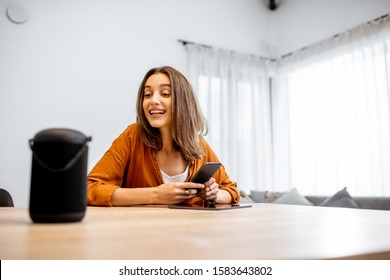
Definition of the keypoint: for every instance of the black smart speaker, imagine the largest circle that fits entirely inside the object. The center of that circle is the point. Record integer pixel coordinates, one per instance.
(58, 191)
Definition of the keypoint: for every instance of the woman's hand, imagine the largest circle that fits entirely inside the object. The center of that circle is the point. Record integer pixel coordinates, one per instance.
(173, 193)
(210, 190)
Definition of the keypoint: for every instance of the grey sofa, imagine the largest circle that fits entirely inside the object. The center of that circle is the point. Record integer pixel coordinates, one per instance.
(364, 202)
(339, 199)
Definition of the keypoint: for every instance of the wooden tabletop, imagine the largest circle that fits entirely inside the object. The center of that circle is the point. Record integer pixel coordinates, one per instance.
(265, 231)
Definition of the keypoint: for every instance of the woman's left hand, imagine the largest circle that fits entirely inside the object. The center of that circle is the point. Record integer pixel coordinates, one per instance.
(210, 190)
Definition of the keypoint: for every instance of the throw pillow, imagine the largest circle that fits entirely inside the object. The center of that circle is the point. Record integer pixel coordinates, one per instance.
(293, 197)
(340, 199)
(265, 196)
(257, 196)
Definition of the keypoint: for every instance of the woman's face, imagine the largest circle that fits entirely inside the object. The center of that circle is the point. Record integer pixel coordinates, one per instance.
(157, 101)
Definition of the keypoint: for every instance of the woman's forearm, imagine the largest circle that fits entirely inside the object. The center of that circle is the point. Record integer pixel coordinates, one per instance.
(223, 196)
(133, 196)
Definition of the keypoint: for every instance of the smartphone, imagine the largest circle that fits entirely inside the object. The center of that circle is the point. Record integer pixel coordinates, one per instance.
(206, 172)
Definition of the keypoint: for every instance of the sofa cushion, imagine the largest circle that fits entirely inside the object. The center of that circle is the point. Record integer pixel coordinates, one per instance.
(293, 197)
(340, 199)
(373, 202)
(265, 196)
(316, 199)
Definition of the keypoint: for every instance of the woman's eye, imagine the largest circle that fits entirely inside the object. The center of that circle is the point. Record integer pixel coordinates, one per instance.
(147, 95)
(166, 94)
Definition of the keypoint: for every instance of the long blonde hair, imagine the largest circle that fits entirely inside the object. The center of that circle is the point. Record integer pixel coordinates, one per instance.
(188, 123)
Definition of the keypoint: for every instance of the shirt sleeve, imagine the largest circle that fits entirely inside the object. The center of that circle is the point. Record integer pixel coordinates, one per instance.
(107, 174)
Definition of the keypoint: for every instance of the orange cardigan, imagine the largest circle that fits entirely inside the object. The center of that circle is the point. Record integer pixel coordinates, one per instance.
(130, 164)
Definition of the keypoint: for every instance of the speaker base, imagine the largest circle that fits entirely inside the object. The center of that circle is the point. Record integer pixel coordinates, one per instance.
(57, 218)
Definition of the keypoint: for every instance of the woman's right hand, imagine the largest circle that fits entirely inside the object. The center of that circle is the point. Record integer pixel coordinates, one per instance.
(173, 193)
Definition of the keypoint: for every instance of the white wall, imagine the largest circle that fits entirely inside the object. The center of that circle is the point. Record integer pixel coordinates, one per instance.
(78, 63)
(299, 23)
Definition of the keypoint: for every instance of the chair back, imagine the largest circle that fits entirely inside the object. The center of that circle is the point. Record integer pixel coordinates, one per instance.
(5, 199)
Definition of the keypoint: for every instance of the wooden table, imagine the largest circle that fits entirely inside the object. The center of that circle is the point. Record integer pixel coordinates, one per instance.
(265, 231)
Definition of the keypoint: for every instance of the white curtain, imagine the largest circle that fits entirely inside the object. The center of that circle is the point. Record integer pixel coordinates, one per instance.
(333, 108)
(323, 124)
(233, 91)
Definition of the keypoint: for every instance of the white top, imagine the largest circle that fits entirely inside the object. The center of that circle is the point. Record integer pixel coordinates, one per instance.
(176, 178)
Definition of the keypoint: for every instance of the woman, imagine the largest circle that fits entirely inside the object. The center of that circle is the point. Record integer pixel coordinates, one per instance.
(152, 161)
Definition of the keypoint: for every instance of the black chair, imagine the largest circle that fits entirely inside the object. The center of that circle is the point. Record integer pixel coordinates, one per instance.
(5, 199)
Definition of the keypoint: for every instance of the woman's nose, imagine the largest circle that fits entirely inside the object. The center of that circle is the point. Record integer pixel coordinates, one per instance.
(156, 98)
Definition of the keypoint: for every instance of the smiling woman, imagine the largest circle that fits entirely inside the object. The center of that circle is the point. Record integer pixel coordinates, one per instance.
(154, 160)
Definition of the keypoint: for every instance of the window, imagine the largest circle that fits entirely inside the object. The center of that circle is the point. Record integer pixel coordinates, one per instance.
(339, 120)
(325, 125)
